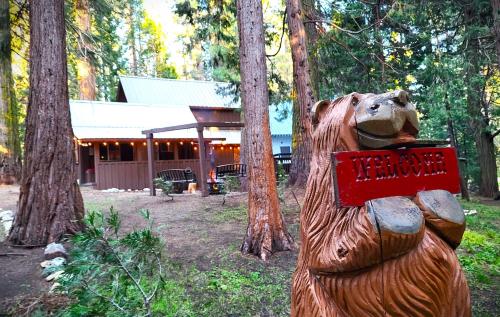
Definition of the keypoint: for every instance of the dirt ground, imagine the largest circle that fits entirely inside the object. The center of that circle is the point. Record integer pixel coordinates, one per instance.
(199, 232)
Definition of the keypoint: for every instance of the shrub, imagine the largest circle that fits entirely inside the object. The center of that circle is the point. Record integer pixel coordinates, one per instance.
(282, 180)
(167, 187)
(111, 274)
(231, 184)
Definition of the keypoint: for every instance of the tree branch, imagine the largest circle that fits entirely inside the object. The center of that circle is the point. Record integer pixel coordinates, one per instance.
(494, 134)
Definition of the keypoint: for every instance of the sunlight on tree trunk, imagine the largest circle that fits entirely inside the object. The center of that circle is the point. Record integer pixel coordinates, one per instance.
(266, 231)
(50, 202)
(302, 126)
(85, 66)
(10, 148)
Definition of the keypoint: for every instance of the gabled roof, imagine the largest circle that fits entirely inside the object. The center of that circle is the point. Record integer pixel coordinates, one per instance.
(118, 120)
(280, 124)
(174, 92)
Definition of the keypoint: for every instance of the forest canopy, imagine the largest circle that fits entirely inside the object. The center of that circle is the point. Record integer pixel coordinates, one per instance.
(445, 53)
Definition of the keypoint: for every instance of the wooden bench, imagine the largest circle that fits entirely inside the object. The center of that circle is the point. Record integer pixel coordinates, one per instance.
(180, 178)
(222, 171)
(285, 159)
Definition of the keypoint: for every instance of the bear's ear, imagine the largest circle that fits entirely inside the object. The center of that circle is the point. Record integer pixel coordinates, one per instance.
(318, 109)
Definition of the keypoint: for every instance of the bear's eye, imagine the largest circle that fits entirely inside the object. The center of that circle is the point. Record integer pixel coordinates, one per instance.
(375, 106)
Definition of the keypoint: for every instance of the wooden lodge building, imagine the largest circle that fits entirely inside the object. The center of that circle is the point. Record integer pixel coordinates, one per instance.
(112, 148)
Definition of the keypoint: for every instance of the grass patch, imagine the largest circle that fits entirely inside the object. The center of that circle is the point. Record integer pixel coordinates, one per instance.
(235, 214)
(230, 292)
(479, 255)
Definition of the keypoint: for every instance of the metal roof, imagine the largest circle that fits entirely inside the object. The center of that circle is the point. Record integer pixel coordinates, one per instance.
(173, 92)
(117, 120)
(280, 125)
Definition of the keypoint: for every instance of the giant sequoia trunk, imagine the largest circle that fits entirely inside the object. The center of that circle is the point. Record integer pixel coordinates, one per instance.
(50, 202)
(302, 126)
(85, 65)
(266, 232)
(10, 149)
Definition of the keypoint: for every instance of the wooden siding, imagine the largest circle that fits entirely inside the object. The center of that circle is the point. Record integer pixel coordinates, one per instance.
(134, 175)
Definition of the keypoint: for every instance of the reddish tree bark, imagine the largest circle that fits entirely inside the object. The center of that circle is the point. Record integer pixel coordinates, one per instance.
(302, 127)
(50, 202)
(266, 231)
(310, 16)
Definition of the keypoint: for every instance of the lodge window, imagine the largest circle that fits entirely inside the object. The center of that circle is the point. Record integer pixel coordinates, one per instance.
(116, 152)
(284, 149)
(103, 152)
(186, 151)
(126, 152)
(113, 152)
(165, 152)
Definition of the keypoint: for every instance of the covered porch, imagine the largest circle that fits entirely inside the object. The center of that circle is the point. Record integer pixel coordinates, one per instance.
(205, 157)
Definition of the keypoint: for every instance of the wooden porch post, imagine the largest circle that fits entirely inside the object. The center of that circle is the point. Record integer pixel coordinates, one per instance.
(151, 167)
(203, 163)
(97, 158)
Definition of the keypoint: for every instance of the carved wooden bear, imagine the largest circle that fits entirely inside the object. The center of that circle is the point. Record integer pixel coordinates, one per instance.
(392, 257)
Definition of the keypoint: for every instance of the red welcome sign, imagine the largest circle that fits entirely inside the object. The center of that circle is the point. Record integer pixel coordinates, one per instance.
(363, 175)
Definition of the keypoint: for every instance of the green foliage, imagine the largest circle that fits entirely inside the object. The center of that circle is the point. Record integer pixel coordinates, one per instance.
(479, 252)
(440, 51)
(282, 180)
(228, 214)
(167, 187)
(214, 32)
(231, 184)
(237, 293)
(112, 274)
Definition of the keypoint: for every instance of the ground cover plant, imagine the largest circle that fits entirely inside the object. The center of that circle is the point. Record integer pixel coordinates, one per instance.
(206, 275)
(479, 255)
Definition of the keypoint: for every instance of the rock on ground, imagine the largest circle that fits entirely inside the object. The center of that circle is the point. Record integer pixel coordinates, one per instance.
(54, 250)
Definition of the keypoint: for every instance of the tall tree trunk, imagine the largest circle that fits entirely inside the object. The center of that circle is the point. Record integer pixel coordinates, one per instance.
(131, 40)
(302, 126)
(495, 6)
(10, 148)
(311, 15)
(85, 65)
(451, 132)
(479, 115)
(50, 202)
(266, 231)
(378, 37)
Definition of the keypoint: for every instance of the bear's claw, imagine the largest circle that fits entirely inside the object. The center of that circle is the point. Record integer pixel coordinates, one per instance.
(443, 214)
(399, 222)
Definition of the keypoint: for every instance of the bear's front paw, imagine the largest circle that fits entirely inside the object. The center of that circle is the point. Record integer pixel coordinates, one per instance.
(399, 222)
(443, 214)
